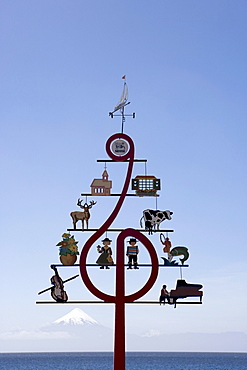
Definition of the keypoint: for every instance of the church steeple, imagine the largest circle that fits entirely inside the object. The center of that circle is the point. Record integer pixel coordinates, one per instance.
(105, 175)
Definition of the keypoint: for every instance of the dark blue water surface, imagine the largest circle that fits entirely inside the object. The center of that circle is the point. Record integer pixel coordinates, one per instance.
(134, 361)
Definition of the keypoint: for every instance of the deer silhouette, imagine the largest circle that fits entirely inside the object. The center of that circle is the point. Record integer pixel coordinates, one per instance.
(77, 215)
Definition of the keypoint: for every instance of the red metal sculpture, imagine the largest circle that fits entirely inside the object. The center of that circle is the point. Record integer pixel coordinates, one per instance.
(152, 219)
(120, 148)
(120, 298)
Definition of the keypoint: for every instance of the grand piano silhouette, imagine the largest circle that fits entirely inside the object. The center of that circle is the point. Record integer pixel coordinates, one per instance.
(184, 290)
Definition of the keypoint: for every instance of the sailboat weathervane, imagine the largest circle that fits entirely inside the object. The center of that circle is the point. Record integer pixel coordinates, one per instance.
(123, 101)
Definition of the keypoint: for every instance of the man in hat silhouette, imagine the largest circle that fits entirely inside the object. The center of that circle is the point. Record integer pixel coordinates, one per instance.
(132, 252)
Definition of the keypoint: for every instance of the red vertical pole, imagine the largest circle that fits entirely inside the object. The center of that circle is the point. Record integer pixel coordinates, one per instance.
(119, 345)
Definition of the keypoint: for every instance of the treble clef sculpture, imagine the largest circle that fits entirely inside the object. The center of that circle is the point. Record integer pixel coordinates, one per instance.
(120, 298)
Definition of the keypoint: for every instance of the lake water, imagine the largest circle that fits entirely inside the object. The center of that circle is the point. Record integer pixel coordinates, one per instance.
(134, 361)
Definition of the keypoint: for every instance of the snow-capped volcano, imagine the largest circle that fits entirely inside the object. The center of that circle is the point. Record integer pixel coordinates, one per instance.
(80, 332)
(76, 317)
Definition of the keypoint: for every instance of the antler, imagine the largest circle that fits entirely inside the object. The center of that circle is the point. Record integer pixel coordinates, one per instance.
(79, 202)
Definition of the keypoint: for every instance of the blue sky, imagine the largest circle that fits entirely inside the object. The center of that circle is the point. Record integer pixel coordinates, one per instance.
(61, 68)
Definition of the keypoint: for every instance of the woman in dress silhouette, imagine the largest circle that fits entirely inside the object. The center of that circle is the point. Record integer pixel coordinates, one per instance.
(105, 259)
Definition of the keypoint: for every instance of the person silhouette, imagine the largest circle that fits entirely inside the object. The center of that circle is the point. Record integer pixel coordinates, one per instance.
(105, 259)
(132, 252)
(164, 294)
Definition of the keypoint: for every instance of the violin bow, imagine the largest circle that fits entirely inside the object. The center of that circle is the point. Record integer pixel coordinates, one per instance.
(64, 281)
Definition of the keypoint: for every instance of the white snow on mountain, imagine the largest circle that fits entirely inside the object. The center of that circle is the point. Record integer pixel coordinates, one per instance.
(76, 317)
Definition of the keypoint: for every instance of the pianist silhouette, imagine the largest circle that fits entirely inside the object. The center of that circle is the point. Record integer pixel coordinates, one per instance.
(164, 294)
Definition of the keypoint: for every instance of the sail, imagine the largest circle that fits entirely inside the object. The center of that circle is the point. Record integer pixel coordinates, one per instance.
(123, 99)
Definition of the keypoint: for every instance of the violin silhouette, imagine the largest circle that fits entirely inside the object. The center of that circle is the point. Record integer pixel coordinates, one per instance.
(57, 291)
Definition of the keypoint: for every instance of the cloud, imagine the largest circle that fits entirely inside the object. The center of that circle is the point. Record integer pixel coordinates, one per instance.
(152, 333)
(36, 334)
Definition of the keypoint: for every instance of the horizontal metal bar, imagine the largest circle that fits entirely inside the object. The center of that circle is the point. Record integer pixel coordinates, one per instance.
(120, 115)
(117, 195)
(170, 304)
(117, 230)
(101, 302)
(127, 160)
(70, 302)
(139, 265)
